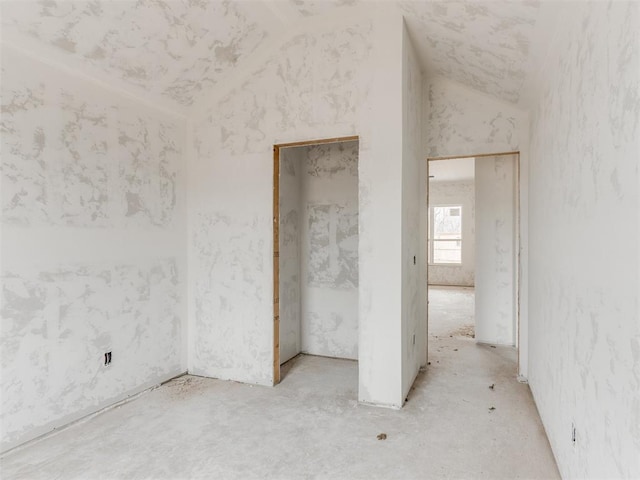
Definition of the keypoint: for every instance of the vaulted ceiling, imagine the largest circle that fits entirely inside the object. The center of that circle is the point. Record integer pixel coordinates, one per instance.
(172, 48)
(178, 49)
(485, 45)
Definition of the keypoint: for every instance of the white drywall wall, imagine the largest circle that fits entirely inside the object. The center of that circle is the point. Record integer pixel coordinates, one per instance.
(460, 121)
(380, 225)
(93, 247)
(495, 270)
(284, 98)
(334, 77)
(292, 168)
(329, 240)
(456, 193)
(414, 283)
(584, 238)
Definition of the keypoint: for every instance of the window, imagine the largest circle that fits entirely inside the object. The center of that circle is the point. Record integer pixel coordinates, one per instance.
(445, 235)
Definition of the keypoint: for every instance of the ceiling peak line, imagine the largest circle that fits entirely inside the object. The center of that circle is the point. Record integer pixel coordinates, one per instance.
(24, 46)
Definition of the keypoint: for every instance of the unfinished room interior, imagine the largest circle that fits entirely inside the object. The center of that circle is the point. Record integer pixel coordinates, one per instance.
(345, 239)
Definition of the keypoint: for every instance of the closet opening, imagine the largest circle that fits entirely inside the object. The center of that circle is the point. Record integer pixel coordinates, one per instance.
(315, 259)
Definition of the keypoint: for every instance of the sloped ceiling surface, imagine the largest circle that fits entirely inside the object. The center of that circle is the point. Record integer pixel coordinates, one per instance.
(171, 48)
(316, 7)
(177, 49)
(484, 45)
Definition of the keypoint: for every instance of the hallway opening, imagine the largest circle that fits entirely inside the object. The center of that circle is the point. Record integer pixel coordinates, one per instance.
(473, 243)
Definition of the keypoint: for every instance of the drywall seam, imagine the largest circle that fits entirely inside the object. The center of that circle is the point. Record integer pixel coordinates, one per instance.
(55, 59)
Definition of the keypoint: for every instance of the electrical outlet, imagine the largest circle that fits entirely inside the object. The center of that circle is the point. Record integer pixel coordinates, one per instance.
(107, 359)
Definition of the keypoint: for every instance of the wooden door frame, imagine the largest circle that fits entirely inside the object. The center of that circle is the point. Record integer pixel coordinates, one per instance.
(518, 246)
(276, 238)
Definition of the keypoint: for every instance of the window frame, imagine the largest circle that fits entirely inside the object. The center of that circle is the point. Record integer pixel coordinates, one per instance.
(430, 239)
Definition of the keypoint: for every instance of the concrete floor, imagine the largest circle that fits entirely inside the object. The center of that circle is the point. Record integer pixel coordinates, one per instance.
(311, 425)
(451, 309)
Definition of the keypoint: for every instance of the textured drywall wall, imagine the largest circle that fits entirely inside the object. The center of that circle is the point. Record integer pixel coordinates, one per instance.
(456, 193)
(495, 266)
(292, 168)
(300, 94)
(93, 247)
(584, 212)
(461, 121)
(331, 79)
(414, 284)
(329, 239)
(380, 224)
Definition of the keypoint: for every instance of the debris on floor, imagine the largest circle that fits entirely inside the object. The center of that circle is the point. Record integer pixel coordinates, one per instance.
(382, 436)
(455, 349)
(465, 331)
(491, 409)
(493, 346)
(492, 385)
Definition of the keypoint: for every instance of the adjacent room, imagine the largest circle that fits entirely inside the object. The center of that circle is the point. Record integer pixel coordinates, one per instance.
(451, 247)
(473, 246)
(319, 239)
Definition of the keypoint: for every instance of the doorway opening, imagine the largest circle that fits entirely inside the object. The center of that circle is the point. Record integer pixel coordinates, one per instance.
(315, 241)
(473, 245)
